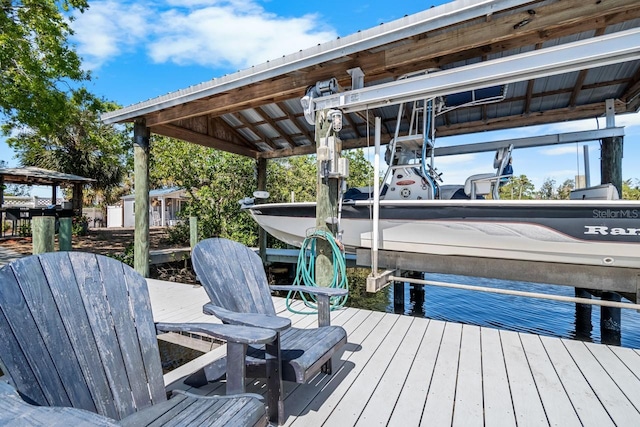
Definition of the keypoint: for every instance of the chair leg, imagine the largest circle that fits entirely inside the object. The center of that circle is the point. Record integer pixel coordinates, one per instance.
(212, 372)
(275, 391)
(326, 368)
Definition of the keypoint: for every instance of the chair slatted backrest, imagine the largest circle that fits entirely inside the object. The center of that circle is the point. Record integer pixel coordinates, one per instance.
(77, 330)
(233, 276)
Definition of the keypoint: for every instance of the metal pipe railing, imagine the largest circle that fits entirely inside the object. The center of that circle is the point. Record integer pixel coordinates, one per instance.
(561, 298)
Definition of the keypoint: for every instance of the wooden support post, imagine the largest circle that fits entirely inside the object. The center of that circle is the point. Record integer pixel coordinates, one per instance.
(326, 206)
(611, 172)
(416, 294)
(141, 135)
(275, 388)
(611, 162)
(261, 166)
(43, 234)
(64, 234)
(610, 320)
(583, 316)
(1, 190)
(54, 194)
(193, 231)
(76, 199)
(398, 297)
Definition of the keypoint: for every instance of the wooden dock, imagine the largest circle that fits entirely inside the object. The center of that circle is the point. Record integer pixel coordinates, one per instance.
(405, 371)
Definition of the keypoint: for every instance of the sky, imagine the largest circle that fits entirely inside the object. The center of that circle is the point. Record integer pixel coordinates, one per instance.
(137, 50)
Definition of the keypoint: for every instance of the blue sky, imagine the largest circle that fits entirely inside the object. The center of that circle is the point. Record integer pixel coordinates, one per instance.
(138, 50)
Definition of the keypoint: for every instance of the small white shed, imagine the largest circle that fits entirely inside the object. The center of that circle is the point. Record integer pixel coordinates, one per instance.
(164, 205)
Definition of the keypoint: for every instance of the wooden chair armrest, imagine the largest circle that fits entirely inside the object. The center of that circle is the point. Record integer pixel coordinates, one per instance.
(229, 333)
(323, 298)
(275, 323)
(16, 412)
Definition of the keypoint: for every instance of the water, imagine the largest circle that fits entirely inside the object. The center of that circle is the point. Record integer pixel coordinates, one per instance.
(513, 313)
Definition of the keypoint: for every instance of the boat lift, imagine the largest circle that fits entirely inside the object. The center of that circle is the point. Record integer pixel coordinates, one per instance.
(570, 57)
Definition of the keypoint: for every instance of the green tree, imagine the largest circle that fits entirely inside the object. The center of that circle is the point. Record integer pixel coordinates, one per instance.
(547, 190)
(292, 178)
(564, 190)
(518, 188)
(360, 169)
(297, 176)
(215, 181)
(631, 189)
(80, 145)
(37, 63)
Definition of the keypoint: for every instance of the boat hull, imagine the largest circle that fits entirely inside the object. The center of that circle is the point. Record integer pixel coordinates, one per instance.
(604, 233)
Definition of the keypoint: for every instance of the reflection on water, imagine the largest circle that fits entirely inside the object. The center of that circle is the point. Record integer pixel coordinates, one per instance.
(521, 314)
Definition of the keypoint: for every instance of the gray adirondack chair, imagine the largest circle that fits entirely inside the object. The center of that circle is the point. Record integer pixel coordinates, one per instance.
(236, 283)
(77, 332)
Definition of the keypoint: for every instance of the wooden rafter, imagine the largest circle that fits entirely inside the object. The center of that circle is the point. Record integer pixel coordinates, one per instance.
(274, 124)
(251, 127)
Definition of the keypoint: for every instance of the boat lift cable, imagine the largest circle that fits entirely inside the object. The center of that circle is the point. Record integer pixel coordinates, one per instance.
(305, 273)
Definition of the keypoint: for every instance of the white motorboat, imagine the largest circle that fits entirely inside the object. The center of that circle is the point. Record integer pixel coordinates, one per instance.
(590, 232)
(418, 215)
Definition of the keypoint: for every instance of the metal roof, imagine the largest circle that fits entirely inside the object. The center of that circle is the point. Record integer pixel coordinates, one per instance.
(257, 112)
(171, 192)
(37, 176)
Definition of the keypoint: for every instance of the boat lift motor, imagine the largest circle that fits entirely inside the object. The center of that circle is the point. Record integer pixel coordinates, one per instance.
(333, 165)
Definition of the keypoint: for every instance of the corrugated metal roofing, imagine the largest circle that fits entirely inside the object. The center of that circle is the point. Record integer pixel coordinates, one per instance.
(37, 176)
(261, 105)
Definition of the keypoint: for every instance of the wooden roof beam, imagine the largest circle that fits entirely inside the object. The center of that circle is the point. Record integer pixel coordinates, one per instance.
(632, 93)
(173, 131)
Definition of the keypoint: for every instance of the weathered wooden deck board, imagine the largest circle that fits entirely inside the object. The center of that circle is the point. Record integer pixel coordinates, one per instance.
(468, 404)
(406, 371)
(555, 401)
(390, 385)
(410, 404)
(439, 406)
(524, 393)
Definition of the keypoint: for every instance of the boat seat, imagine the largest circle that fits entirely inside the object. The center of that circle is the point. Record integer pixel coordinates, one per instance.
(482, 183)
(450, 192)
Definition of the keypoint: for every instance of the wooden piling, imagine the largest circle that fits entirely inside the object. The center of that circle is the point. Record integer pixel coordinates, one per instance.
(611, 162)
(43, 234)
(610, 320)
(261, 166)
(193, 231)
(141, 136)
(583, 316)
(611, 172)
(398, 297)
(326, 207)
(64, 234)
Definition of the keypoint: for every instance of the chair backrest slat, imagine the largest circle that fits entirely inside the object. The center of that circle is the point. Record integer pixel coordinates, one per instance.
(234, 276)
(84, 328)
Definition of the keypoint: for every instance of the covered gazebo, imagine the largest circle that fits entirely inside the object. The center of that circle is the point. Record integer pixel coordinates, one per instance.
(544, 61)
(37, 176)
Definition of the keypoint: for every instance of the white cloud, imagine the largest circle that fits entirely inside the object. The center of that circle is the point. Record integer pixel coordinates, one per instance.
(561, 150)
(107, 29)
(225, 33)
